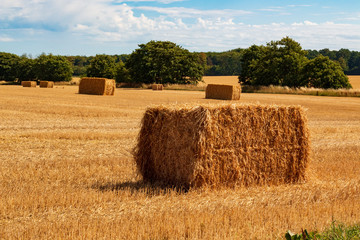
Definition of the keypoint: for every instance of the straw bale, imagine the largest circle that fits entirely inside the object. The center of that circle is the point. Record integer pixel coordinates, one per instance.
(157, 87)
(223, 145)
(97, 86)
(46, 84)
(28, 83)
(224, 92)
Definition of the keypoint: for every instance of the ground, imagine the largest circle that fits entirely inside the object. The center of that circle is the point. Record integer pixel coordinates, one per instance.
(66, 171)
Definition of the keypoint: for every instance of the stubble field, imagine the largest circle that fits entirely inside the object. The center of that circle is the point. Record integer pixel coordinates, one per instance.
(66, 172)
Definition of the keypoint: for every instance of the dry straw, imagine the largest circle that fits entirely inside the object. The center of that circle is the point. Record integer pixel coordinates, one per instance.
(224, 92)
(157, 87)
(28, 83)
(46, 84)
(223, 145)
(97, 86)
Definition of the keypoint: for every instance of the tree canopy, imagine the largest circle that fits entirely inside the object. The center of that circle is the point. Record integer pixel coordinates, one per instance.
(321, 72)
(53, 68)
(284, 63)
(164, 62)
(102, 66)
(8, 66)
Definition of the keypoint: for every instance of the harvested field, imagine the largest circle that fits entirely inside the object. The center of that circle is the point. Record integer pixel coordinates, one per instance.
(354, 80)
(67, 172)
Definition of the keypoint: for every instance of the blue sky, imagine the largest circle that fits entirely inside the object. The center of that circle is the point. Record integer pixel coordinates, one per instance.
(74, 27)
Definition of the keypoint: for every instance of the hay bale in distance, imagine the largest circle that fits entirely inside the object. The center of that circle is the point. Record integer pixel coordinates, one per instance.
(158, 87)
(224, 92)
(46, 84)
(28, 83)
(223, 145)
(97, 86)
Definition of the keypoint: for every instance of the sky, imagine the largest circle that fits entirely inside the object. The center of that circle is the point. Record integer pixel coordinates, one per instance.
(79, 27)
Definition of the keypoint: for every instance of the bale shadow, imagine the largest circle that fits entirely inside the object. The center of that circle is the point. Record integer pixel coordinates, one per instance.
(149, 188)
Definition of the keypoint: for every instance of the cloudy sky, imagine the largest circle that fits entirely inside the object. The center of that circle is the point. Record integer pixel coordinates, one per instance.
(79, 27)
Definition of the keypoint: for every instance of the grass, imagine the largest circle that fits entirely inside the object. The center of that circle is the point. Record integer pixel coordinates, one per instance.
(67, 172)
(334, 232)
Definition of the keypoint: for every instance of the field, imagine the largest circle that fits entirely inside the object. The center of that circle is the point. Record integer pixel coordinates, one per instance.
(354, 80)
(67, 172)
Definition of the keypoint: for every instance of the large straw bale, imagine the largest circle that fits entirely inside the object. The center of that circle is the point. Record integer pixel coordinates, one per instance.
(97, 86)
(223, 145)
(28, 83)
(46, 84)
(224, 92)
(157, 87)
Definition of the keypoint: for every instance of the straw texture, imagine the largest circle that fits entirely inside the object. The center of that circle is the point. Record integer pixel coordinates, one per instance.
(97, 86)
(157, 87)
(223, 145)
(28, 83)
(223, 92)
(46, 84)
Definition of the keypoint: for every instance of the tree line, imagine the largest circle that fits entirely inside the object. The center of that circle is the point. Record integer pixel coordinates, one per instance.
(278, 63)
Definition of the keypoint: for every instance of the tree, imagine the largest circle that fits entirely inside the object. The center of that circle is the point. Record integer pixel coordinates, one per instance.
(8, 66)
(278, 63)
(122, 74)
(164, 62)
(25, 69)
(102, 66)
(53, 68)
(321, 72)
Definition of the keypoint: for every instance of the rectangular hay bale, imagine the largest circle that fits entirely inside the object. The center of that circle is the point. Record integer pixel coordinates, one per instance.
(97, 86)
(46, 84)
(157, 87)
(28, 83)
(223, 92)
(223, 145)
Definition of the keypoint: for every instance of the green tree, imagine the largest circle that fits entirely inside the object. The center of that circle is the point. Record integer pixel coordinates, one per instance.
(25, 69)
(164, 62)
(53, 68)
(8, 66)
(122, 74)
(321, 72)
(278, 63)
(102, 66)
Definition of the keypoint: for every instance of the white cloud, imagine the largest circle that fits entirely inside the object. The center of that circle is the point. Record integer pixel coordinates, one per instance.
(6, 39)
(159, 1)
(181, 12)
(100, 22)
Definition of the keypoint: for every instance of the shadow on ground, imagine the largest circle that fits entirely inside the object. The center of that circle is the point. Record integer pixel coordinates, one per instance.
(152, 189)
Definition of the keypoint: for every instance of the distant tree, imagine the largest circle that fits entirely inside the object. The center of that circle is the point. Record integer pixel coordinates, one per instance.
(164, 62)
(122, 74)
(321, 72)
(102, 66)
(8, 66)
(278, 63)
(53, 68)
(25, 69)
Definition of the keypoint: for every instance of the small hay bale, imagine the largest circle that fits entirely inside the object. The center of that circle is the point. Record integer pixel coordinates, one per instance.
(28, 83)
(157, 87)
(224, 92)
(223, 145)
(97, 86)
(46, 84)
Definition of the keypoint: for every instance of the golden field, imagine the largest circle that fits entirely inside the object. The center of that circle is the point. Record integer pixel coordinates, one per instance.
(67, 172)
(354, 80)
